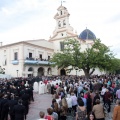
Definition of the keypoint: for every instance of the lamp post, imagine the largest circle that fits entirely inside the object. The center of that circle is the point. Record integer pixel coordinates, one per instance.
(76, 71)
(17, 72)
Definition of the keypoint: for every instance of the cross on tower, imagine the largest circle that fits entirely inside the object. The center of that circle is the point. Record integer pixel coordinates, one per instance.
(62, 2)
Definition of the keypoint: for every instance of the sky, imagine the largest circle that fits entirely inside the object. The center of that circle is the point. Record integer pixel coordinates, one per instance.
(22, 20)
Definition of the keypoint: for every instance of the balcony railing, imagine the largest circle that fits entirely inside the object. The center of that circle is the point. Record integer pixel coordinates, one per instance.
(37, 61)
(15, 62)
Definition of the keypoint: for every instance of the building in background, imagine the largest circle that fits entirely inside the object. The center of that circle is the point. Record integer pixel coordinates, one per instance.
(31, 58)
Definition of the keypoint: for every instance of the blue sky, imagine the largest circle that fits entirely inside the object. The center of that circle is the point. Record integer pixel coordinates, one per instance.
(33, 19)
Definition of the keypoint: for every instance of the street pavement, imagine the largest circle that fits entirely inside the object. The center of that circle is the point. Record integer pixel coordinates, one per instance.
(42, 102)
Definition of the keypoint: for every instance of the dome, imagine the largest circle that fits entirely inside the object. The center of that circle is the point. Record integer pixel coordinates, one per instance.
(87, 34)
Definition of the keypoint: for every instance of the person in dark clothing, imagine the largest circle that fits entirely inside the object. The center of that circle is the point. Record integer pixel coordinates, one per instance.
(52, 90)
(4, 108)
(19, 111)
(95, 98)
(31, 93)
(25, 98)
(108, 99)
(1, 98)
(12, 103)
(89, 104)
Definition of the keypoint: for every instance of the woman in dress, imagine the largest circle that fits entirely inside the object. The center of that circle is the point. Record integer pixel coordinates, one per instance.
(81, 111)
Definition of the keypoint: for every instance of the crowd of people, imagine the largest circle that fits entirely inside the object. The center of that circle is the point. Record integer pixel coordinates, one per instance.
(15, 97)
(83, 99)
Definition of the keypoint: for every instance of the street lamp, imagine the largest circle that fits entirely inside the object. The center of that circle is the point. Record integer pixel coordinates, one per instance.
(76, 68)
(17, 72)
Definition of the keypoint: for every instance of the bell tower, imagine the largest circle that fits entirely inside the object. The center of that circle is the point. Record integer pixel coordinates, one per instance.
(63, 28)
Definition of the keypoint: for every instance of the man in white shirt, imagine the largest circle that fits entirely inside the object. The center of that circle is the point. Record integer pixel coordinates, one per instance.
(103, 92)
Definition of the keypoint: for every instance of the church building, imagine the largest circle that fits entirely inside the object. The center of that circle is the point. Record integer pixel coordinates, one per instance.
(31, 58)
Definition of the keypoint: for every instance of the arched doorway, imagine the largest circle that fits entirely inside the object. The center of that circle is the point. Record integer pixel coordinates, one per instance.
(62, 72)
(49, 71)
(30, 72)
(40, 71)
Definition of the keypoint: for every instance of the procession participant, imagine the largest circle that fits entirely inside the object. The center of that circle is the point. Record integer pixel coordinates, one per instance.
(35, 87)
(12, 103)
(53, 90)
(19, 111)
(25, 101)
(26, 84)
(41, 87)
(4, 107)
(30, 89)
(49, 87)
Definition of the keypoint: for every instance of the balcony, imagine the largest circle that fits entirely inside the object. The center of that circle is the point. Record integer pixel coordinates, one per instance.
(32, 61)
(15, 62)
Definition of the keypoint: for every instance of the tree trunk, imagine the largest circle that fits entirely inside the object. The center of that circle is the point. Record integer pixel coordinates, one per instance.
(87, 75)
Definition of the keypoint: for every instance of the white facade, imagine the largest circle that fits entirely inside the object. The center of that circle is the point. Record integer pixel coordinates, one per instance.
(26, 58)
(22, 59)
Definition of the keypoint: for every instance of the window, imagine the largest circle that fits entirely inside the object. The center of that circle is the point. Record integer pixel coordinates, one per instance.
(5, 60)
(59, 24)
(48, 58)
(61, 46)
(30, 55)
(16, 56)
(61, 12)
(64, 23)
(40, 56)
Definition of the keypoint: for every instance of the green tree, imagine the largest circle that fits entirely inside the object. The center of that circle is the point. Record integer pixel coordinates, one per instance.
(2, 70)
(96, 56)
(115, 66)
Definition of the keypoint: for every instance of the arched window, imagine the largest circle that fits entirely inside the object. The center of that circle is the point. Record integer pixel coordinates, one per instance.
(40, 71)
(59, 24)
(30, 69)
(61, 12)
(64, 23)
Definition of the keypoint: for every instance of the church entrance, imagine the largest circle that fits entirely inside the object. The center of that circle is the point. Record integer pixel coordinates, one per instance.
(49, 71)
(30, 72)
(62, 72)
(40, 71)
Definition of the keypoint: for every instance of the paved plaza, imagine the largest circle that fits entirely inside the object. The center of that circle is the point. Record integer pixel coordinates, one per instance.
(41, 103)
